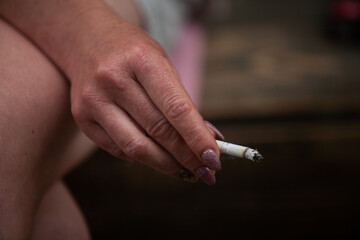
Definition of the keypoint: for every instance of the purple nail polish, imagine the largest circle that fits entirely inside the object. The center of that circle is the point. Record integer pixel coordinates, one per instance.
(211, 159)
(218, 134)
(205, 174)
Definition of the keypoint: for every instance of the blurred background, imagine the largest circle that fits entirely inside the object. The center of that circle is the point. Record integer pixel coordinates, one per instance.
(283, 77)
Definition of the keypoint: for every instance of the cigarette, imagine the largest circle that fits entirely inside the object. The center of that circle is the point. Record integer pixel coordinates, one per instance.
(239, 151)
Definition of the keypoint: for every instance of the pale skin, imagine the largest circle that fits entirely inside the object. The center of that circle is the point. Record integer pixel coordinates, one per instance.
(107, 75)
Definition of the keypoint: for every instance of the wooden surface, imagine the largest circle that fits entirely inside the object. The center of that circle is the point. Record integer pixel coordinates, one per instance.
(259, 70)
(274, 83)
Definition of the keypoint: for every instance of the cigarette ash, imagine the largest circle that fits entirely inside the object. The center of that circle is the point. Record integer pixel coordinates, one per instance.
(253, 155)
(257, 157)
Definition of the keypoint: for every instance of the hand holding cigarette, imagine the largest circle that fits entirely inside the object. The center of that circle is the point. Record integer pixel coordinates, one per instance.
(126, 95)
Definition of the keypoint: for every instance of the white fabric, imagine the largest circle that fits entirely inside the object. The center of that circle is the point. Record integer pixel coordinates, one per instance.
(163, 19)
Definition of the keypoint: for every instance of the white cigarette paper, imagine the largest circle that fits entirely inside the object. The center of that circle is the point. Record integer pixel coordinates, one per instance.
(239, 151)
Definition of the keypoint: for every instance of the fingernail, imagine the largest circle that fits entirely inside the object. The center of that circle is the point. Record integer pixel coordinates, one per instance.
(211, 159)
(205, 174)
(218, 134)
(186, 175)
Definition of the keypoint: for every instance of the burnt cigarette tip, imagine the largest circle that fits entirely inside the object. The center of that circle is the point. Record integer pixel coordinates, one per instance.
(257, 157)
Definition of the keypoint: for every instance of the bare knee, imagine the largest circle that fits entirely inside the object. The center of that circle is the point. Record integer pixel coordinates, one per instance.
(38, 137)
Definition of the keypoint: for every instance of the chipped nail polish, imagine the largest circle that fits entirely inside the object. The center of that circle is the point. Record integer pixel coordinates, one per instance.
(186, 175)
(205, 174)
(218, 134)
(211, 159)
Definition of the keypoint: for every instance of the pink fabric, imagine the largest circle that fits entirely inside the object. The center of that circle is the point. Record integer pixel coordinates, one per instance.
(188, 58)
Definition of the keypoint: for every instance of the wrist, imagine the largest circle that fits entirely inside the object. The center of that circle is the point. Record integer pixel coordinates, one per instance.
(79, 42)
(67, 31)
(84, 41)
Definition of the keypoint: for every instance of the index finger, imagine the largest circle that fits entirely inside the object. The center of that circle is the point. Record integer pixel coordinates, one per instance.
(162, 83)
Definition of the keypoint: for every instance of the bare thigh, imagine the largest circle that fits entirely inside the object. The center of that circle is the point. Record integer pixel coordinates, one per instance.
(58, 217)
(39, 141)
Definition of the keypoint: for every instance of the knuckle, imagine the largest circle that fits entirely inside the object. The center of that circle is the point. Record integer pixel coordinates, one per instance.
(144, 57)
(177, 107)
(140, 52)
(107, 73)
(113, 76)
(134, 148)
(160, 129)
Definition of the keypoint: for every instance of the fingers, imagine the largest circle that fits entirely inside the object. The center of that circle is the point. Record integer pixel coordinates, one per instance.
(95, 132)
(162, 84)
(132, 141)
(99, 135)
(146, 114)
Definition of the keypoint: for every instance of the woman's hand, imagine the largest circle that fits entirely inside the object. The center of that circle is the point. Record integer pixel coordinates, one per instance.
(125, 94)
(130, 101)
